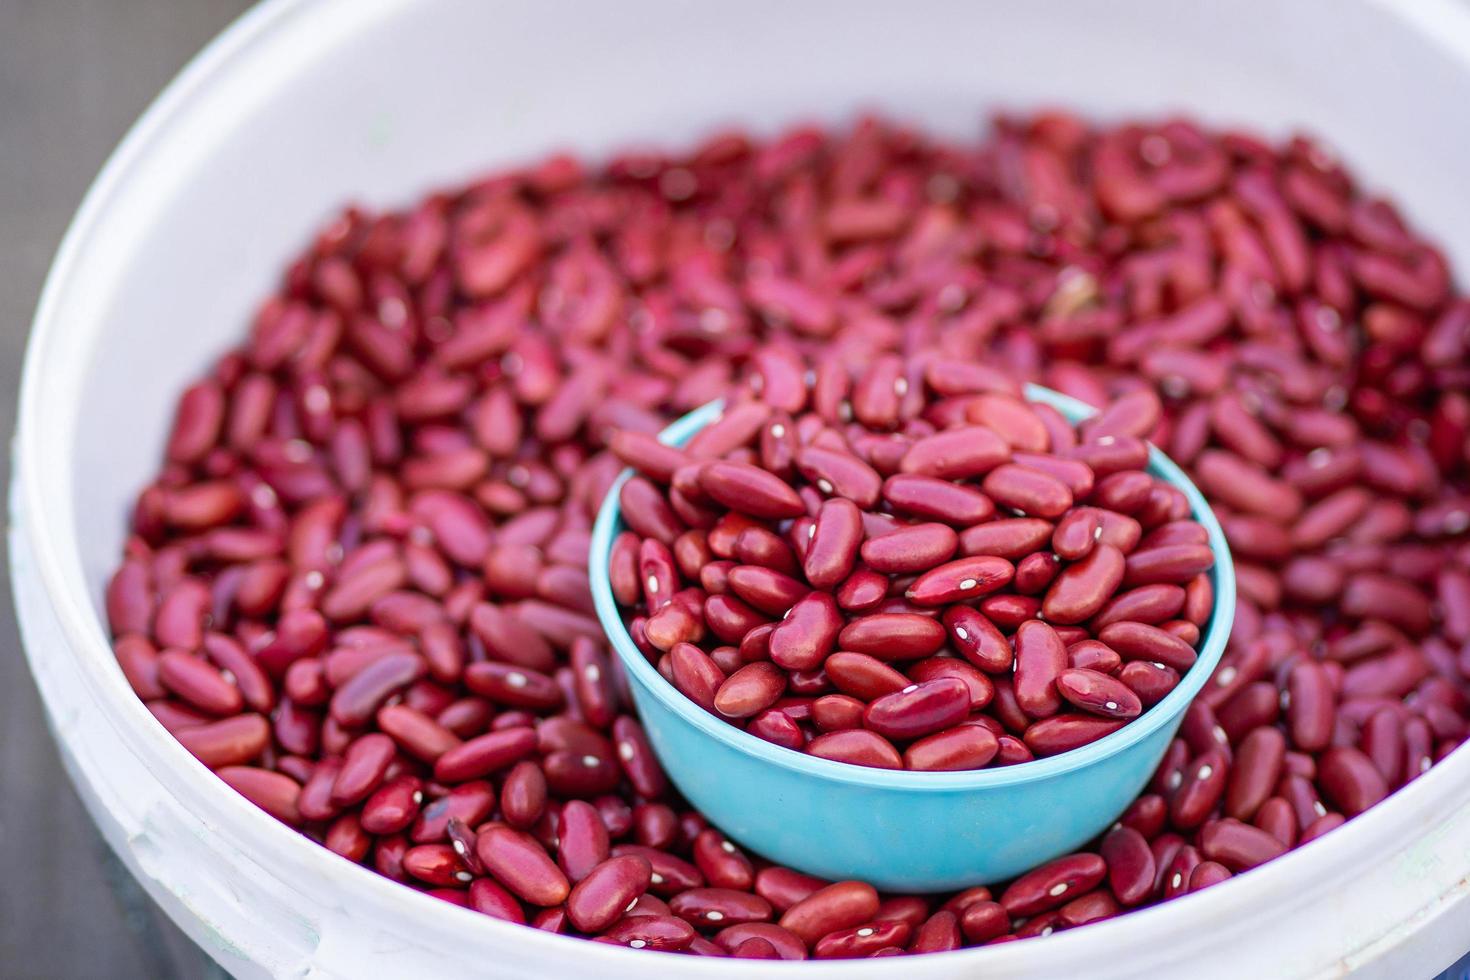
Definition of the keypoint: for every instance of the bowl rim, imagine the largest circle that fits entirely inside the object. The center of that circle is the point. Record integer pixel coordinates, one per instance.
(1211, 646)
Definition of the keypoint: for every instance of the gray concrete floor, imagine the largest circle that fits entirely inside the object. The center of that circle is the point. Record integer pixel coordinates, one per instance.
(74, 74)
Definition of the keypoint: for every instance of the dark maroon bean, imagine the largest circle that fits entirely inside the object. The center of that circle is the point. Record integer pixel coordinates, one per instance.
(1238, 846)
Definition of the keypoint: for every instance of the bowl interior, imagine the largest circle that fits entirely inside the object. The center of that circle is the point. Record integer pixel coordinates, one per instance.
(1211, 646)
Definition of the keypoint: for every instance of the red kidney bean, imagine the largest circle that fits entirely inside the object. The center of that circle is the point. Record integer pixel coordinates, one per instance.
(842, 905)
(364, 765)
(1031, 492)
(274, 792)
(749, 490)
(978, 640)
(958, 748)
(839, 473)
(1350, 780)
(706, 907)
(1064, 732)
(722, 863)
(1146, 815)
(227, 742)
(955, 454)
(1130, 865)
(1139, 641)
(1253, 776)
(960, 580)
(1053, 884)
(607, 891)
(518, 862)
(485, 754)
(198, 683)
(915, 548)
(919, 709)
(660, 932)
(861, 940)
(749, 690)
(935, 499)
(980, 688)
(393, 806)
(856, 746)
(1084, 587)
(1041, 658)
(1098, 694)
(783, 887)
(783, 941)
(1201, 788)
(892, 636)
(1238, 846)
(1012, 537)
(806, 636)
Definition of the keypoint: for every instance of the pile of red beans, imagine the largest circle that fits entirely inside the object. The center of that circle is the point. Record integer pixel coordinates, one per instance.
(357, 589)
(812, 549)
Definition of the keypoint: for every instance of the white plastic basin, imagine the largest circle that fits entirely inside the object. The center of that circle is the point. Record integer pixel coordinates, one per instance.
(304, 105)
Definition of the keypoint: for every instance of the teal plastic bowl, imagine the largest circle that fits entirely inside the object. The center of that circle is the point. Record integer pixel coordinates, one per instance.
(904, 831)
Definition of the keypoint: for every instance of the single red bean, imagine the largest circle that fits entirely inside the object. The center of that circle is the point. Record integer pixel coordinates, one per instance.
(936, 499)
(958, 748)
(1053, 884)
(1130, 865)
(1098, 694)
(750, 690)
(1310, 710)
(663, 932)
(914, 548)
(841, 905)
(705, 907)
(364, 766)
(858, 747)
(606, 892)
(981, 689)
(808, 633)
(892, 636)
(750, 490)
(1084, 587)
(1012, 537)
(861, 940)
(1062, 733)
(1201, 788)
(1350, 780)
(783, 941)
(919, 709)
(1139, 641)
(274, 792)
(1238, 846)
(1253, 776)
(485, 754)
(1032, 492)
(833, 546)
(960, 580)
(518, 862)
